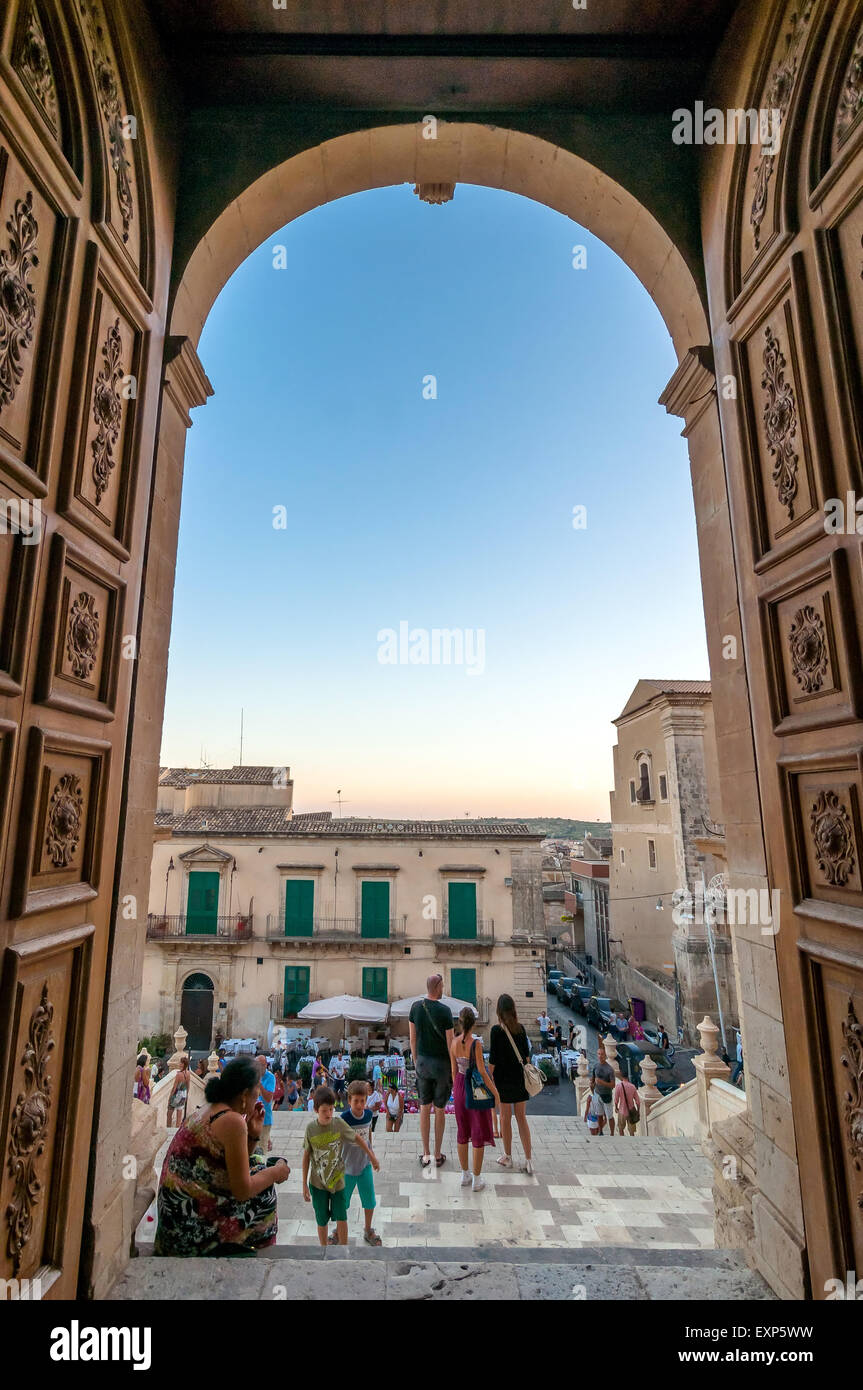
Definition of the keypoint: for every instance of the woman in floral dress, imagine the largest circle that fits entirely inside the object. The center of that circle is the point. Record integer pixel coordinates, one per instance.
(214, 1197)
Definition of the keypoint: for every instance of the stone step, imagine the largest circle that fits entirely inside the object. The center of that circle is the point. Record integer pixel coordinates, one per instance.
(292, 1274)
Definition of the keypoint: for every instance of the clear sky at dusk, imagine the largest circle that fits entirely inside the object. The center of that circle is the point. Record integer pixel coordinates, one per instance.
(446, 513)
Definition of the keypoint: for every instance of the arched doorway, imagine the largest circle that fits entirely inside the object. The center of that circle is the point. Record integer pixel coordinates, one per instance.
(196, 1012)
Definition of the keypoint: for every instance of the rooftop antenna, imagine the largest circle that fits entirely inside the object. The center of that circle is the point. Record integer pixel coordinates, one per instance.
(241, 736)
(347, 803)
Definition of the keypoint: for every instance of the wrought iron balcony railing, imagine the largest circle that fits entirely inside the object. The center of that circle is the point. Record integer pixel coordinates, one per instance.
(479, 933)
(200, 929)
(333, 929)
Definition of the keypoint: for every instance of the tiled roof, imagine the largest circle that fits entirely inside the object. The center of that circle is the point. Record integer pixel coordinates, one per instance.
(238, 776)
(681, 687)
(271, 820)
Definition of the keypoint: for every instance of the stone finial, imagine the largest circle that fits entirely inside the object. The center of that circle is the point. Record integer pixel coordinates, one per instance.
(179, 1048)
(610, 1045)
(213, 1064)
(648, 1091)
(709, 1036)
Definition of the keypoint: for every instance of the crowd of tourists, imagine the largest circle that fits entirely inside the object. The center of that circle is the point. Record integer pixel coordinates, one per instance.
(217, 1192)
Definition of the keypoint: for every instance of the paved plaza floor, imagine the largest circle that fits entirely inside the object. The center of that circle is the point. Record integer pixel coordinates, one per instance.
(645, 1193)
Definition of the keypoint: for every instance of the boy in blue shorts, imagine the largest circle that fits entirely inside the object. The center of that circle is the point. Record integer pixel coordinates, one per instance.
(358, 1165)
(326, 1139)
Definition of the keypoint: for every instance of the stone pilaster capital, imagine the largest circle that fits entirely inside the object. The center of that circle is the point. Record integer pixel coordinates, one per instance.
(692, 386)
(186, 382)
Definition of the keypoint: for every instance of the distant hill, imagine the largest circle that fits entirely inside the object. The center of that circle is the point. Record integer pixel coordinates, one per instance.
(558, 828)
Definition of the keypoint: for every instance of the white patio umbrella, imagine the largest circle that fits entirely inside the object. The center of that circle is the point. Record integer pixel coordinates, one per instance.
(345, 1006)
(402, 1007)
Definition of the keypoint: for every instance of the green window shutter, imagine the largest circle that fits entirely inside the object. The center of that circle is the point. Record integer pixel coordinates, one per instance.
(462, 911)
(299, 907)
(463, 985)
(375, 908)
(375, 983)
(296, 988)
(202, 906)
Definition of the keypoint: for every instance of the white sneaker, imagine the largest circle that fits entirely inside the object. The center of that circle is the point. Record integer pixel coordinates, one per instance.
(465, 1178)
(528, 1168)
(505, 1161)
(478, 1183)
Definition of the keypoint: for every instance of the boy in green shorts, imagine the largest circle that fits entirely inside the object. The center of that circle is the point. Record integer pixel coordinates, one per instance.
(324, 1153)
(358, 1169)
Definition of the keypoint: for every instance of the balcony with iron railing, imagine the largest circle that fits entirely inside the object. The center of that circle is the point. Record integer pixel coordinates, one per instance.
(200, 930)
(334, 929)
(448, 933)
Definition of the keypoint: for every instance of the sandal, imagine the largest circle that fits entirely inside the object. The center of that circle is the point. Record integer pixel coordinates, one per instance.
(424, 1162)
(440, 1161)
(334, 1238)
(372, 1238)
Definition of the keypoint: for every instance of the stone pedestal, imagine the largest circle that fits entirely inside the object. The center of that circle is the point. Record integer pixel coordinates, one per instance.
(179, 1048)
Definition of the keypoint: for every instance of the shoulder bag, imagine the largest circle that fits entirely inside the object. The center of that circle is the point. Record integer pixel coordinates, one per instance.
(533, 1077)
(633, 1113)
(477, 1096)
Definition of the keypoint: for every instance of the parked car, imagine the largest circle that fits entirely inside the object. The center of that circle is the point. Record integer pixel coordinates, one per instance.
(631, 1055)
(554, 978)
(579, 998)
(564, 985)
(602, 1011)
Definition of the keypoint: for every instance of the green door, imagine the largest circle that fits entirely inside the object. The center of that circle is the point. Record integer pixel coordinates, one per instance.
(462, 912)
(296, 988)
(375, 902)
(299, 907)
(202, 907)
(375, 983)
(463, 985)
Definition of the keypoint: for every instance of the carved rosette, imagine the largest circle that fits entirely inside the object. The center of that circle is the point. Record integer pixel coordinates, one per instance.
(833, 836)
(777, 97)
(82, 636)
(29, 1129)
(107, 410)
(851, 1060)
(780, 421)
(851, 100)
(65, 814)
(17, 296)
(33, 65)
(807, 639)
(108, 89)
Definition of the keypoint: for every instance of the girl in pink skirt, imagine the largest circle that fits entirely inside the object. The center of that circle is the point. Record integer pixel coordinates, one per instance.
(474, 1126)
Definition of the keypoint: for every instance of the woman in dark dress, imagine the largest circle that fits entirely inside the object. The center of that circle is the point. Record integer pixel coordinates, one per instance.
(509, 1050)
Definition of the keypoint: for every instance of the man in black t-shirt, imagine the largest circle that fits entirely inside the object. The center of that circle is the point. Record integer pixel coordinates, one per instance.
(431, 1035)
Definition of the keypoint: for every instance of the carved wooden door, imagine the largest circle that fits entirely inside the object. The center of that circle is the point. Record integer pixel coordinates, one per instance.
(80, 356)
(787, 311)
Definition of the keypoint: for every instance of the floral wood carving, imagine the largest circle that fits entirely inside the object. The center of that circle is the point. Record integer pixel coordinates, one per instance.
(851, 1059)
(65, 814)
(851, 100)
(777, 97)
(33, 65)
(109, 99)
(29, 1129)
(780, 421)
(17, 296)
(82, 636)
(807, 639)
(833, 835)
(107, 410)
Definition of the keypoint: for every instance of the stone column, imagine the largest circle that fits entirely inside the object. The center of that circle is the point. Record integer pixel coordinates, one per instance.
(179, 1048)
(610, 1045)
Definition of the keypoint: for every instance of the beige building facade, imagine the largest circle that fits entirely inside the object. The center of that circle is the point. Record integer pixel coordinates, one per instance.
(254, 910)
(669, 856)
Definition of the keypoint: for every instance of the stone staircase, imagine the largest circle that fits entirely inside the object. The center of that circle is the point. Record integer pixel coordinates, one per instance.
(609, 1217)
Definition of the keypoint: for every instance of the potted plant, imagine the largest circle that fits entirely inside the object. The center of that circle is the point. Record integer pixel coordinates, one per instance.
(357, 1069)
(549, 1070)
(305, 1073)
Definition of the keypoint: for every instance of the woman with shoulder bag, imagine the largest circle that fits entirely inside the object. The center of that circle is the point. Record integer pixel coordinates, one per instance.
(512, 1070)
(474, 1095)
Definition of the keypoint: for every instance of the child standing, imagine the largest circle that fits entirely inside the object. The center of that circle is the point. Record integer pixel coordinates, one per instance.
(358, 1168)
(324, 1153)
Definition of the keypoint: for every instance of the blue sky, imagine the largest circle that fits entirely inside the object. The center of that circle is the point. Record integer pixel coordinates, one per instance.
(447, 513)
